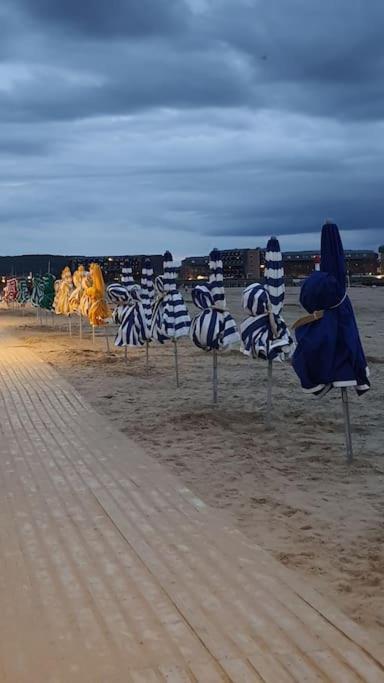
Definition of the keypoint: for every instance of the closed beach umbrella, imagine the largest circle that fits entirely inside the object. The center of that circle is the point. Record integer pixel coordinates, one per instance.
(264, 333)
(213, 329)
(274, 275)
(148, 299)
(133, 327)
(10, 290)
(48, 297)
(37, 290)
(147, 289)
(118, 292)
(170, 319)
(98, 312)
(22, 292)
(329, 352)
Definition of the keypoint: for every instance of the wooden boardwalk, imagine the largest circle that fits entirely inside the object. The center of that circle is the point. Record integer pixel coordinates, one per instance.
(112, 572)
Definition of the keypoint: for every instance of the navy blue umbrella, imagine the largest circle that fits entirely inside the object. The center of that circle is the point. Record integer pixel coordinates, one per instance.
(329, 352)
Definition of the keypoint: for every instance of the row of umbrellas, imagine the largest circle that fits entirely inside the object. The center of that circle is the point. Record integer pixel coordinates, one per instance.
(327, 353)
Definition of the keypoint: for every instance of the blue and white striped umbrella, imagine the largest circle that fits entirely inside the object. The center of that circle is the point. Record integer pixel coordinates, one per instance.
(119, 293)
(133, 328)
(263, 334)
(126, 275)
(274, 275)
(170, 316)
(213, 329)
(147, 290)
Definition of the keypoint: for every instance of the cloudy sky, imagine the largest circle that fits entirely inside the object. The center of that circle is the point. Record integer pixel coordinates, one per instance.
(131, 126)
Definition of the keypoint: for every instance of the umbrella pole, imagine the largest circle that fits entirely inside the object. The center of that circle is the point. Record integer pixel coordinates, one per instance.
(81, 327)
(176, 362)
(269, 394)
(70, 326)
(347, 424)
(93, 335)
(107, 340)
(215, 378)
(126, 355)
(147, 356)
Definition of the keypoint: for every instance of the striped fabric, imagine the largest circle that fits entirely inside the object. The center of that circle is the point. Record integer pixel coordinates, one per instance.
(147, 290)
(37, 290)
(10, 290)
(263, 334)
(274, 275)
(126, 275)
(23, 293)
(119, 293)
(133, 328)
(213, 328)
(170, 316)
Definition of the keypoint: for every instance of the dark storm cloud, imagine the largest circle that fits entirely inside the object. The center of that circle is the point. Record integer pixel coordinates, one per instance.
(156, 120)
(100, 19)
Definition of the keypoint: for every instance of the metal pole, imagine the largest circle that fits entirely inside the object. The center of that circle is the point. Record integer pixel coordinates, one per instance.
(176, 362)
(126, 355)
(93, 335)
(347, 424)
(107, 340)
(147, 356)
(215, 378)
(269, 394)
(81, 327)
(70, 326)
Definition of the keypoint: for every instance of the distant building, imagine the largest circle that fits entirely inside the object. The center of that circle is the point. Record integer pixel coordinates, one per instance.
(194, 268)
(302, 263)
(112, 265)
(238, 264)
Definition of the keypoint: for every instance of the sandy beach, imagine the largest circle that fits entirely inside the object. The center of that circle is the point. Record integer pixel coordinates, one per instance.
(287, 487)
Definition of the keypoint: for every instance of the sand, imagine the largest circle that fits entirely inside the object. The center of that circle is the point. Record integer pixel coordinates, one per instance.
(287, 487)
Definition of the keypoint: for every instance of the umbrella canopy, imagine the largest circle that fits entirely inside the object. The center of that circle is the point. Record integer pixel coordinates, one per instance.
(98, 312)
(213, 328)
(126, 275)
(147, 290)
(37, 290)
(10, 290)
(75, 296)
(64, 289)
(329, 352)
(120, 293)
(48, 296)
(170, 316)
(23, 293)
(264, 334)
(133, 328)
(274, 275)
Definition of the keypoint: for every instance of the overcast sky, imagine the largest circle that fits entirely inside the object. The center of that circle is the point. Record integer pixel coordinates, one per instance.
(130, 126)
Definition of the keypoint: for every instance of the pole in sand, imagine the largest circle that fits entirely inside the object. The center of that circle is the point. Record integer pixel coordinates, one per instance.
(81, 327)
(126, 355)
(215, 376)
(269, 394)
(147, 356)
(70, 326)
(107, 340)
(347, 424)
(93, 335)
(176, 362)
